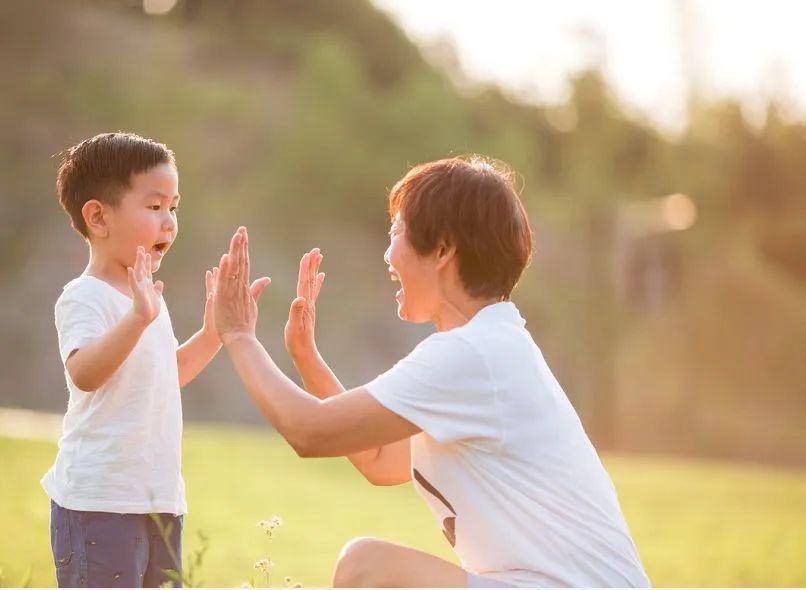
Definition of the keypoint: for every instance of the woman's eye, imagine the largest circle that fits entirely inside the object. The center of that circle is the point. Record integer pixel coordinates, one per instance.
(173, 209)
(154, 207)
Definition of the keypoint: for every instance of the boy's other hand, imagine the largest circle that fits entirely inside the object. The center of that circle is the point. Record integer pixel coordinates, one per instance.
(146, 294)
(208, 325)
(300, 328)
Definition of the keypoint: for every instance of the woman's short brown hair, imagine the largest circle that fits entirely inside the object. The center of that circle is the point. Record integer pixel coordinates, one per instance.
(101, 168)
(470, 203)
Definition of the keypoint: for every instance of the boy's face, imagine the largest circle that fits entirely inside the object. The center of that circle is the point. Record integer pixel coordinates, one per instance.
(145, 216)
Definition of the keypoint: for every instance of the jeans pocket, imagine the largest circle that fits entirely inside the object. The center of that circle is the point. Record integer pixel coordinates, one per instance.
(61, 540)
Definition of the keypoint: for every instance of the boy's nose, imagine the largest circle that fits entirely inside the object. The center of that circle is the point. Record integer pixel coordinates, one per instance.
(169, 223)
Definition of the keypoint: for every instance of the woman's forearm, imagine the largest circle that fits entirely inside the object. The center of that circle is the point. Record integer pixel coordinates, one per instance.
(320, 380)
(287, 407)
(316, 375)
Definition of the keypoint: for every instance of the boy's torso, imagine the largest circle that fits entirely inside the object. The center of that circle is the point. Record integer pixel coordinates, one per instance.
(121, 445)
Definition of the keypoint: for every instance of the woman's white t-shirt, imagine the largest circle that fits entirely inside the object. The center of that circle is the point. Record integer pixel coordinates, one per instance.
(503, 461)
(120, 450)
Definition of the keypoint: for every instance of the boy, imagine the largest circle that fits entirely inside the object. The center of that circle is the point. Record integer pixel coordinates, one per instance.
(116, 488)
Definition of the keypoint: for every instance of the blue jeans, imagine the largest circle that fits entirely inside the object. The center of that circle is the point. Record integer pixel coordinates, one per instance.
(105, 549)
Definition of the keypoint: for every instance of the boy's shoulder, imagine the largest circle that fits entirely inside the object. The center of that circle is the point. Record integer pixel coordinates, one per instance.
(87, 290)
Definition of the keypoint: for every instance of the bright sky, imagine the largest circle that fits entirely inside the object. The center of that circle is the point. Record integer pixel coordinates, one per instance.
(652, 49)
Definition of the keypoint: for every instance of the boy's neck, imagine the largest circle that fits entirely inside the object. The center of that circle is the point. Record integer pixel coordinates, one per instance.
(105, 267)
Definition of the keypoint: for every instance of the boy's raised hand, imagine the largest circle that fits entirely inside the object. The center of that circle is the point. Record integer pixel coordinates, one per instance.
(146, 294)
(299, 330)
(208, 325)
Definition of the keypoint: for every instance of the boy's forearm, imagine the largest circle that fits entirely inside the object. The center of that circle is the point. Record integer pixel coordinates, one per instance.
(195, 354)
(316, 375)
(91, 366)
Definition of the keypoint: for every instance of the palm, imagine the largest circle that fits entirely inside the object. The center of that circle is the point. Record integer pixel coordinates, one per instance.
(146, 294)
(300, 328)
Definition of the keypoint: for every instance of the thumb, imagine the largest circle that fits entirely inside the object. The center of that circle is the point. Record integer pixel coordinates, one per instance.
(297, 311)
(258, 286)
(158, 287)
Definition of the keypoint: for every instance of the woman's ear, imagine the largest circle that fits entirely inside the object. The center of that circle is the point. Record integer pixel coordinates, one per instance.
(94, 216)
(445, 253)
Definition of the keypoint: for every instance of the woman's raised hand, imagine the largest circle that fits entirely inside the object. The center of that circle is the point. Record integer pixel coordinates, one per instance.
(235, 299)
(299, 330)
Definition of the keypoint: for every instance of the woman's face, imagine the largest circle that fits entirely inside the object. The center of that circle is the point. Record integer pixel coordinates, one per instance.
(418, 297)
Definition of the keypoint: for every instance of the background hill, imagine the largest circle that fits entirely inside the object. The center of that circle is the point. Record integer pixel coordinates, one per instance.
(295, 119)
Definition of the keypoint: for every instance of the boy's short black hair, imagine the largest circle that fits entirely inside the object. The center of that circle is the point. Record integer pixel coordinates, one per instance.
(101, 168)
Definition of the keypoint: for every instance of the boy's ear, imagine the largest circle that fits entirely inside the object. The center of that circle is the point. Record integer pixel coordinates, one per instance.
(93, 212)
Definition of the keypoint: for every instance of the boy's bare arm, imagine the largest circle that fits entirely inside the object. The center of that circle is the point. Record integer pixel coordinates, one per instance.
(91, 366)
(195, 354)
(201, 348)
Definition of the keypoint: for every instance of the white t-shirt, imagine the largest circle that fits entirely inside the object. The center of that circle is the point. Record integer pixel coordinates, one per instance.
(503, 461)
(120, 450)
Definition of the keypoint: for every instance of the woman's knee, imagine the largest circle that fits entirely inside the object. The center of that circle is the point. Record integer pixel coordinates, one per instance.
(360, 563)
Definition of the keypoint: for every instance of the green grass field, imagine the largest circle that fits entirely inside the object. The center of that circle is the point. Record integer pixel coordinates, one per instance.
(695, 523)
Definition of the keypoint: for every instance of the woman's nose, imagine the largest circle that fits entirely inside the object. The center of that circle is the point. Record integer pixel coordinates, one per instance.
(386, 255)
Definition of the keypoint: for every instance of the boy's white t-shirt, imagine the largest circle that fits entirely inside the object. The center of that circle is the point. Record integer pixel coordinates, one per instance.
(503, 461)
(120, 450)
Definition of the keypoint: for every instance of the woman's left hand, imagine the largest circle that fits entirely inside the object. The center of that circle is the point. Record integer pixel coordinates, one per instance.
(235, 299)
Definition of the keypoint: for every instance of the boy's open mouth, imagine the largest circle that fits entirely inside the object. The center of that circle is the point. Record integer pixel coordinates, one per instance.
(161, 248)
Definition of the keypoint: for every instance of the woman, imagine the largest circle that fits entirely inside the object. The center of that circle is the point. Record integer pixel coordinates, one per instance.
(473, 414)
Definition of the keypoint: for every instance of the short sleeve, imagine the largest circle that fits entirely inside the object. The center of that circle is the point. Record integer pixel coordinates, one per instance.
(443, 386)
(77, 324)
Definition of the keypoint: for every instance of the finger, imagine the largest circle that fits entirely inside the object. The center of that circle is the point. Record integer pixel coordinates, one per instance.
(233, 245)
(296, 310)
(208, 284)
(256, 290)
(301, 278)
(233, 256)
(247, 269)
(138, 264)
(242, 264)
(132, 280)
(320, 278)
(316, 260)
(159, 286)
(223, 274)
(147, 267)
(311, 274)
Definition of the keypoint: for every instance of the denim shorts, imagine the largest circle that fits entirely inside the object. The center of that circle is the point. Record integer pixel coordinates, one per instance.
(106, 549)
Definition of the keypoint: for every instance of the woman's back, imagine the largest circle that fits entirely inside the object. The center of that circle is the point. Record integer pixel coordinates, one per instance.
(504, 462)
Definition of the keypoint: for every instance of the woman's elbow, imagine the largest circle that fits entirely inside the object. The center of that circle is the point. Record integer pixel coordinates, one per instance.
(306, 444)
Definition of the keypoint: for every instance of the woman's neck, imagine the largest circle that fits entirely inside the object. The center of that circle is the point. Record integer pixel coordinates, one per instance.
(458, 310)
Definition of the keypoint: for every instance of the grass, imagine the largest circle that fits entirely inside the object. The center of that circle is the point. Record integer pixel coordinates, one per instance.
(695, 523)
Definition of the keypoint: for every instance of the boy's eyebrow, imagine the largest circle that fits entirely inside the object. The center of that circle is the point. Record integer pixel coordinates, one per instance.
(162, 195)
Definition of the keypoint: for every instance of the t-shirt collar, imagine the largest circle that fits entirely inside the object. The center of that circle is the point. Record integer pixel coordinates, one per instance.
(502, 311)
